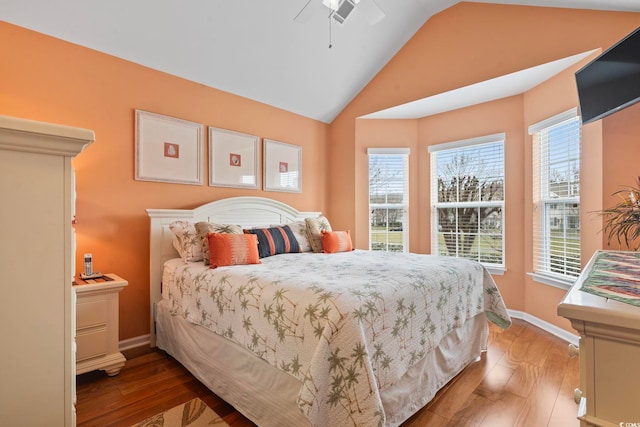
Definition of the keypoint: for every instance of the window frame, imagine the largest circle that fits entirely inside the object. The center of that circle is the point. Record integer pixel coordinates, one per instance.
(541, 237)
(404, 152)
(494, 268)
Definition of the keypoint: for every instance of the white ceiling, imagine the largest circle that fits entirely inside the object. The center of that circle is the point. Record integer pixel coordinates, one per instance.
(253, 48)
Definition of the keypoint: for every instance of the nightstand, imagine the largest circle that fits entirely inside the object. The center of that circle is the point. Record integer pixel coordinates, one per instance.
(96, 327)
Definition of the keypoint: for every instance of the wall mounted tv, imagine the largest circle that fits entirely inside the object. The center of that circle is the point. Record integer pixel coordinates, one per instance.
(610, 82)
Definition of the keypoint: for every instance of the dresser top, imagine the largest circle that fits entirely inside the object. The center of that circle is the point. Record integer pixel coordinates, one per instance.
(591, 308)
(19, 134)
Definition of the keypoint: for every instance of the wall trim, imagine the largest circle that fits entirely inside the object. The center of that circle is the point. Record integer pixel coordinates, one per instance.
(134, 342)
(545, 326)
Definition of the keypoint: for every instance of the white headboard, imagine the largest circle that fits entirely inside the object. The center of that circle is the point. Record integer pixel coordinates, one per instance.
(243, 211)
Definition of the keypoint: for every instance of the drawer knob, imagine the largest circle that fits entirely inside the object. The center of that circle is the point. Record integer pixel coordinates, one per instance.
(577, 395)
(573, 350)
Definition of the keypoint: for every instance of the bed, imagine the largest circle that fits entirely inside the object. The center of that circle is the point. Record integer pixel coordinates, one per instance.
(362, 338)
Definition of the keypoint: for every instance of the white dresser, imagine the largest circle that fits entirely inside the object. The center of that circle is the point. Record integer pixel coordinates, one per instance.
(609, 353)
(37, 377)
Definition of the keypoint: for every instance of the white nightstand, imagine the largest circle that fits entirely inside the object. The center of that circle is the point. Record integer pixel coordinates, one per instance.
(97, 333)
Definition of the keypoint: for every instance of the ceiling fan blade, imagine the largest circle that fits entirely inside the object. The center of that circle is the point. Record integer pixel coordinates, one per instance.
(307, 12)
(371, 11)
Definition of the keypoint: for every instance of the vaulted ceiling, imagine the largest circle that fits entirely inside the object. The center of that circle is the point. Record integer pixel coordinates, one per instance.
(253, 48)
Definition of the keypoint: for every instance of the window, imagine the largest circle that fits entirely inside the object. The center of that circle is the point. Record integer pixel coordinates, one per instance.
(556, 198)
(467, 198)
(388, 199)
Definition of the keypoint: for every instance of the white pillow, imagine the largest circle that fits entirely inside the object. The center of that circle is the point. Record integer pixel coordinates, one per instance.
(204, 228)
(314, 231)
(186, 241)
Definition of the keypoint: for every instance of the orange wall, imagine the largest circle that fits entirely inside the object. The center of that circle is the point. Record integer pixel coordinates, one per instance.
(555, 96)
(43, 78)
(384, 134)
(504, 115)
(620, 157)
(462, 45)
(487, 119)
(466, 44)
(46, 79)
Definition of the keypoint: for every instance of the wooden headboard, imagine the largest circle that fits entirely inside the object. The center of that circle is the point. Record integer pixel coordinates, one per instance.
(243, 211)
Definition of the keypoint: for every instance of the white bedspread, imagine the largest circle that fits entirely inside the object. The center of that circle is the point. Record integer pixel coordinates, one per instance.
(347, 325)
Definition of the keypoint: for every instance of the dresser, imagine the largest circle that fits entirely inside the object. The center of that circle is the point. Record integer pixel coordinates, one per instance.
(37, 376)
(609, 347)
(97, 324)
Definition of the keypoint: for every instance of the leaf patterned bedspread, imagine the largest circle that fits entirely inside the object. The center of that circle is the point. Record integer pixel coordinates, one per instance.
(346, 324)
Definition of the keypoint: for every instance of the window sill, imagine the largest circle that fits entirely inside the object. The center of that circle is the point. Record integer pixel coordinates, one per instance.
(495, 271)
(556, 282)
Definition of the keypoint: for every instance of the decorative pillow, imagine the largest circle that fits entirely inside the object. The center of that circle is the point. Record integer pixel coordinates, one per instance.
(186, 241)
(336, 241)
(275, 240)
(204, 228)
(314, 231)
(299, 230)
(232, 249)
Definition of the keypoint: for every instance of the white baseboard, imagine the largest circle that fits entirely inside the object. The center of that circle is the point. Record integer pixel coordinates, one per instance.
(545, 326)
(134, 342)
(143, 340)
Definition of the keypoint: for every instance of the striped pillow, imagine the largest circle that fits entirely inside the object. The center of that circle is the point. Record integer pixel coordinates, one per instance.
(299, 230)
(336, 241)
(232, 249)
(275, 240)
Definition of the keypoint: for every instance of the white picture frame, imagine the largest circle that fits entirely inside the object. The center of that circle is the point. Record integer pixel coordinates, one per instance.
(168, 149)
(282, 166)
(233, 159)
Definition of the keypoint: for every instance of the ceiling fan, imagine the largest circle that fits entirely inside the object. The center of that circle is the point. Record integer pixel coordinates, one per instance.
(339, 10)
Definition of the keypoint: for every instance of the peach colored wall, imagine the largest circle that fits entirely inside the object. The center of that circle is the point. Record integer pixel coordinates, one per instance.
(46, 79)
(620, 157)
(385, 134)
(43, 78)
(555, 96)
(466, 44)
(490, 118)
(462, 45)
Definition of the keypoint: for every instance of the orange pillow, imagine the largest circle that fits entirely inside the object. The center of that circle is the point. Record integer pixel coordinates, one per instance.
(336, 241)
(232, 249)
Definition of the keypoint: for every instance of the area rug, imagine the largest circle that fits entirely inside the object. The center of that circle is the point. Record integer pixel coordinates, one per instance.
(194, 413)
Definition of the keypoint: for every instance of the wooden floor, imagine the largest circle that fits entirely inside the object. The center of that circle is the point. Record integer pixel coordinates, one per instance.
(526, 378)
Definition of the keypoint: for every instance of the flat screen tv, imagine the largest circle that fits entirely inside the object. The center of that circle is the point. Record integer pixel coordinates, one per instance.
(610, 82)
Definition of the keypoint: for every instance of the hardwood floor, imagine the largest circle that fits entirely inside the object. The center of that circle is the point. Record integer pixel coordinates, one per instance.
(526, 378)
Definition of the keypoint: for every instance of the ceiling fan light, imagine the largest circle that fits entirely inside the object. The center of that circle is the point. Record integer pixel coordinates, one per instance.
(331, 4)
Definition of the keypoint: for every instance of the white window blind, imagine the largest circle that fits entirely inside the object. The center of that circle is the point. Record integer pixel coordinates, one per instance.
(556, 197)
(467, 190)
(388, 199)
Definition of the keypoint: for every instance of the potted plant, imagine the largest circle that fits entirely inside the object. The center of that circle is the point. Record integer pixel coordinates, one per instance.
(622, 220)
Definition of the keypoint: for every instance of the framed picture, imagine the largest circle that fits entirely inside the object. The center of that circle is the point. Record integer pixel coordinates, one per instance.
(233, 159)
(282, 167)
(168, 149)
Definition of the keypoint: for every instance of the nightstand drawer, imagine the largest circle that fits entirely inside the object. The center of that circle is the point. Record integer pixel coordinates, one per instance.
(91, 313)
(97, 324)
(91, 344)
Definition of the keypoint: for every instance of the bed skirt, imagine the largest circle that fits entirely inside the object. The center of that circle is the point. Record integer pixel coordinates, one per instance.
(268, 396)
